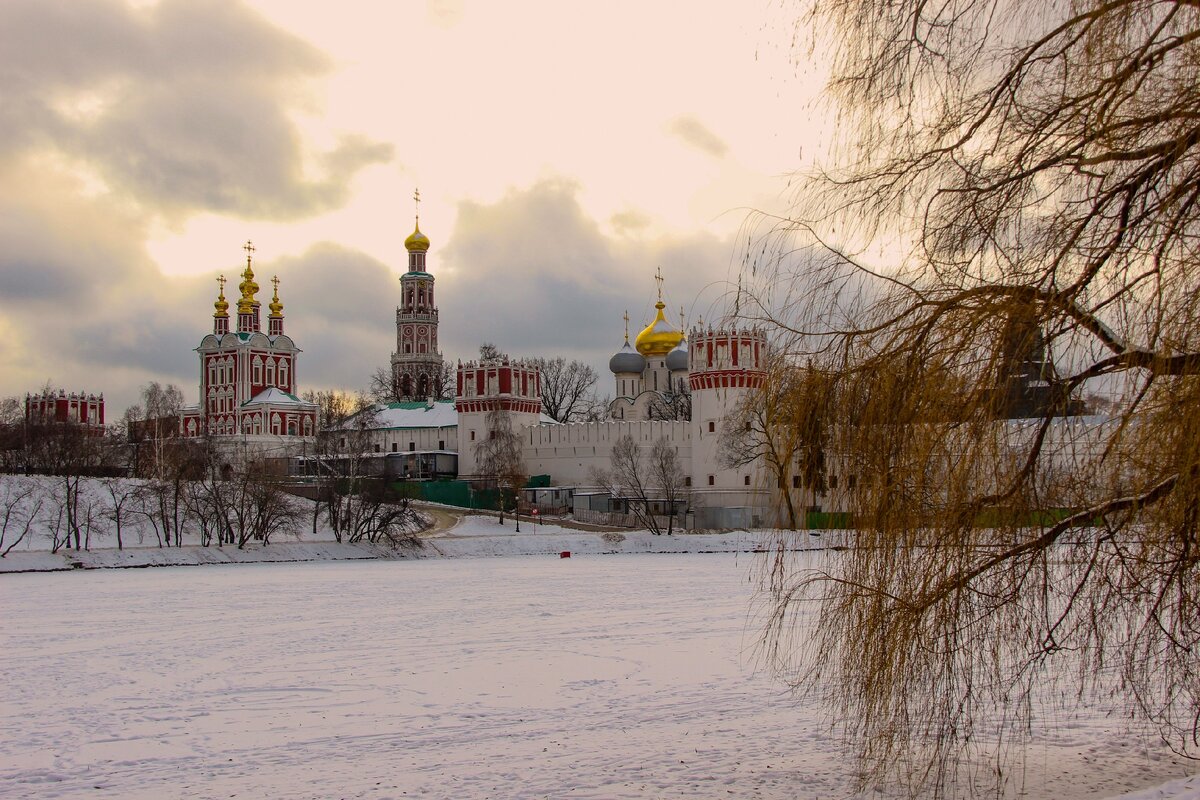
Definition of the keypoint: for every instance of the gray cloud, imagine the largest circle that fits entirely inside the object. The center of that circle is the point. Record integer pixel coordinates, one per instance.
(693, 131)
(532, 273)
(182, 106)
(535, 275)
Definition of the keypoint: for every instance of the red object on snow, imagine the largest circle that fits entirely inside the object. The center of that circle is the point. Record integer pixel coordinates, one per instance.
(565, 554)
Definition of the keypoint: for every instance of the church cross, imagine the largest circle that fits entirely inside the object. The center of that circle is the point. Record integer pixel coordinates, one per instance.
(275, 280)
(249, 248)
(658, 277)
(221, 283)
(626, 326)
(417, 200)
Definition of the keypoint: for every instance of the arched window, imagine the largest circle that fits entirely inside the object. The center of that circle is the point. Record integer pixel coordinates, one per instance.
(257, 371)
(291, 428)
(308, 426)
(406, 385)
(283, 374)
(270, 372)
(423, 386)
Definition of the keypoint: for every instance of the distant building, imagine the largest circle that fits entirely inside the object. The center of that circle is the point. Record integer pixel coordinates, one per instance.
(86, 410)
(248, 377)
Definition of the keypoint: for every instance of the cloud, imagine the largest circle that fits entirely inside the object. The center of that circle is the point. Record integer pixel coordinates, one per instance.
(693, 131)
(534, 274)
(178, 107)
(82, 305)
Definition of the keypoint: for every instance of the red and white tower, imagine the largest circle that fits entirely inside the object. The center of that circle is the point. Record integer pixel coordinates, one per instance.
(723, 366)
(417, 364)
(512, 387)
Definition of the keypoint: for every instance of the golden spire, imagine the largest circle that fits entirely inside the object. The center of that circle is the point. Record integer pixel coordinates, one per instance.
(417, 240)
(247, 303)
(627, 326)
(222, 305)
(276, 306)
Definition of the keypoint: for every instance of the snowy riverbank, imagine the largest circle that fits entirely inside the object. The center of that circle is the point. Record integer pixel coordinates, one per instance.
(474, 536)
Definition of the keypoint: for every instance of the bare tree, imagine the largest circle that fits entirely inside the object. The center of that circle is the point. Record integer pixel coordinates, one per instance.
(489, 352)
(387, 385)
(20, 503)
(784, 424)
(1033, 170)
(666, 474)
(673, 404)
(121, 494)
(255, 507)
(567, 388)
(641, 479)
(499, 460)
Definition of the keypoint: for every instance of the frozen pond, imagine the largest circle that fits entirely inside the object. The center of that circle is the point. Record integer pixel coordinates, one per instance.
(603, 677)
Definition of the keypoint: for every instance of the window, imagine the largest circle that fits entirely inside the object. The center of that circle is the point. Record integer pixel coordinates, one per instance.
(441, 444)
(270, 372)
(376, 448)
(472, 436)
(395, 446)
(687, 480)
(712, 480)
(712, 427)
(833, 481)
(746, 480)
(412, 446)
(257, 371)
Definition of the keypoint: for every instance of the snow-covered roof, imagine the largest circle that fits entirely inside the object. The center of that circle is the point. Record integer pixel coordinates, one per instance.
(275, 396)
(421, 414)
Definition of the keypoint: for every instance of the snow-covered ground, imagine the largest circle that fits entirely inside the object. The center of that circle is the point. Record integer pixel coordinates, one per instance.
(597, 677)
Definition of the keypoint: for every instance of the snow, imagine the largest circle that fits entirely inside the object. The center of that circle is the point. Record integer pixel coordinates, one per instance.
(615, 676)
(480, 665)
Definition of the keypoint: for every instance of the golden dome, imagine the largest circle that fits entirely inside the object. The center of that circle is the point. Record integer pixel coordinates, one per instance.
(658, 338)
(416, 240)
(276, 306)
(247, 303)
(222, 305)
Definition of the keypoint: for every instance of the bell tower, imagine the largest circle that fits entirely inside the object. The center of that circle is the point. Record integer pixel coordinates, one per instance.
(417, 364)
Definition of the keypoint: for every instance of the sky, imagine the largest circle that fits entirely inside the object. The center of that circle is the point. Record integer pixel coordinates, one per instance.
(563, 151)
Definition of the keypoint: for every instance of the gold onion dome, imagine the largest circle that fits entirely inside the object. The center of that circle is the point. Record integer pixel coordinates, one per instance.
(276, 306)
(416, 240)
(658, 338)
(249, 288)
(222, 305)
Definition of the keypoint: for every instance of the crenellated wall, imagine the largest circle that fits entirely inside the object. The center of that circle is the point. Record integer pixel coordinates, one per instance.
(570, 453)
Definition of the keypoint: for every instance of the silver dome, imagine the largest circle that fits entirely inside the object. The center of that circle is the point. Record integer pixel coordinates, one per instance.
(627, 360)
(677, 359)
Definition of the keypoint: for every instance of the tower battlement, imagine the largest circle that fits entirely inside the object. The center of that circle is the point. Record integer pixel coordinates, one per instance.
(498, 385)
(726, 358)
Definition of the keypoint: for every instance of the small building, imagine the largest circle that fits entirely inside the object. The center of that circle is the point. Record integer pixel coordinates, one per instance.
(78, 408)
